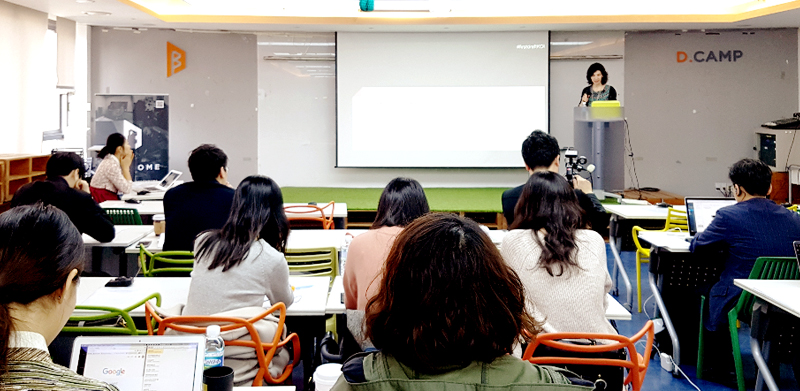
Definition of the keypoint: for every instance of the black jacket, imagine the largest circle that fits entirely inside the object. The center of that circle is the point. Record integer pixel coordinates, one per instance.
(192, 208)
(595, 213)
(86, 214)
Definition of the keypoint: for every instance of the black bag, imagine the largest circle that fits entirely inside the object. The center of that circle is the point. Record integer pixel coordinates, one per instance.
(604, 377)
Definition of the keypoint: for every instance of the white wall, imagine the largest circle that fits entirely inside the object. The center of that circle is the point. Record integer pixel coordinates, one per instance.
(212, 101)
(25, 78)
(690, 121)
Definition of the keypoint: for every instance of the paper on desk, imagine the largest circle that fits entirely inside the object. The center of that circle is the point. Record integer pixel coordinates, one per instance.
(297, 296)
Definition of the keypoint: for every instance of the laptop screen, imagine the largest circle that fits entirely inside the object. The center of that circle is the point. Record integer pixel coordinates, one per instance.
(141, 363)
(701, 211)
(171, 177)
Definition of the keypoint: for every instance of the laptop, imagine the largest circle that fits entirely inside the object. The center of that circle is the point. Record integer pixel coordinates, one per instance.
(165, 183)
(137, 363)
(701, 211)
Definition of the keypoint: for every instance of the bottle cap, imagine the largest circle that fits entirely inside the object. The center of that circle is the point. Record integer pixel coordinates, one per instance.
(212, 331)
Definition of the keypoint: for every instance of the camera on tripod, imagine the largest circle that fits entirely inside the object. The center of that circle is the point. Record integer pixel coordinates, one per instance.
(575, 164)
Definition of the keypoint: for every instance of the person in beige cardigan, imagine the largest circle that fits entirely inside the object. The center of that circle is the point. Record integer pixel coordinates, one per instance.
(562, 266)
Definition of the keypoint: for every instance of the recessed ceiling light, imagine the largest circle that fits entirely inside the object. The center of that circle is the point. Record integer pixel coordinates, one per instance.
(84, 1)
(96, 13)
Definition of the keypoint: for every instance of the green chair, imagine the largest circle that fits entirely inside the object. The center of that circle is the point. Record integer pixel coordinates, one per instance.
(765, 268)
(153, 264)
(110, 321)
(124, 216)
(314, 262)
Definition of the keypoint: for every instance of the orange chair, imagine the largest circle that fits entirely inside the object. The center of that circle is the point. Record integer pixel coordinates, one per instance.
(267, 350)
(309, 213)
(636, 365)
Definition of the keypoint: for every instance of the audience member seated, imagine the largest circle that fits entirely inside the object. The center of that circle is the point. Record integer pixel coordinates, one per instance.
(113, 175)
(541, 153)
(198, 206)
(237, 265)
(753, 227)
(402, 201)
(65, 190)
(562, 267)
(446, 316)
(41, 258)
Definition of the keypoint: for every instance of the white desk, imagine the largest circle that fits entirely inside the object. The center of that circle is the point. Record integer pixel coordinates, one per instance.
(298, 239)
(155, 207)
(335, 304)
(125, 236)
(779, 293)
(151, 196)
(311, 294)
(673, 241)
(638, 212)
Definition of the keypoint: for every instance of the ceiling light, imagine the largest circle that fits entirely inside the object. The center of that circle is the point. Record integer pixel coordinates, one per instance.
(96, 13)
(84, 1)
(577, 43)
(297, 43)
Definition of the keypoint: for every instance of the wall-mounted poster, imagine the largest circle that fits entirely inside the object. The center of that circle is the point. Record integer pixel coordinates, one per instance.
(144, 121)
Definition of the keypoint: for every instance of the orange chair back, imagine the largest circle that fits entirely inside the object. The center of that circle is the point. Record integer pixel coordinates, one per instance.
(636, 364)
(264, 350)
(305, 213)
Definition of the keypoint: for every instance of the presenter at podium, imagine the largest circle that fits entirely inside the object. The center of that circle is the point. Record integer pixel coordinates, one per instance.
(597, 77)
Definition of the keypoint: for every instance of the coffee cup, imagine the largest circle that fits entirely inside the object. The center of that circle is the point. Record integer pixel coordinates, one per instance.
(159, 224)
(218, 379)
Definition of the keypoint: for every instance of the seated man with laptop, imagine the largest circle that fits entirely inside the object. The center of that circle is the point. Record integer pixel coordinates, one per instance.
(753, 227)
(198, 206)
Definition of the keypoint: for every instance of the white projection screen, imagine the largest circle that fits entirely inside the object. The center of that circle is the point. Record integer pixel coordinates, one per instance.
(439, 99)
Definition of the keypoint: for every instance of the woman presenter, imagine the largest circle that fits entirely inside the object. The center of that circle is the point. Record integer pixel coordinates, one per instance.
(597, 77)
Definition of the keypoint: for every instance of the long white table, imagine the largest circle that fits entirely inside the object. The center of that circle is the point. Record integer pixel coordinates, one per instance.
(637, 212)
(154, 207)
(782, 294)
(298, 239)
(310, 294)
(615, 310)
(125, 236)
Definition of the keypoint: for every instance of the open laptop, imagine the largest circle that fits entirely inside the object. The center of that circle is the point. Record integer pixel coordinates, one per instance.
(137, 363)
(162, 185)
(701, 211)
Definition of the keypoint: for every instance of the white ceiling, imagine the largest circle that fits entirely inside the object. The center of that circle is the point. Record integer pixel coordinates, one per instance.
(123, 15)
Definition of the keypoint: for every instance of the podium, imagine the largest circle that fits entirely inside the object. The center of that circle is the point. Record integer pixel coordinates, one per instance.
(600, 136)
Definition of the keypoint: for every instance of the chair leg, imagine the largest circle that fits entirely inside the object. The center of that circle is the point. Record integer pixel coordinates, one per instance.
(701, 340)
(737, 353)
(639, 279)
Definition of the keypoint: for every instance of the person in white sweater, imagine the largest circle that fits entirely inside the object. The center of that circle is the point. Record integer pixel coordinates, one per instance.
(562, 266)
(237, 265)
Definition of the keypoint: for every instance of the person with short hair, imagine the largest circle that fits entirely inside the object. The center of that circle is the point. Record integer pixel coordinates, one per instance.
(540, 152)
(200, 205)
(562, 266)
(446, 316)
(753, 227)
(113, 175)
(402, 201)
(598, 88)
(41, 259)
(65, 189)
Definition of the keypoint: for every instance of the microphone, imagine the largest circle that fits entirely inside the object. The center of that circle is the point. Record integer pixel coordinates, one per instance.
(590, 168)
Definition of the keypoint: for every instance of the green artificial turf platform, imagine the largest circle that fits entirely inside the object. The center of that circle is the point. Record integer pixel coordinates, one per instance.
(440, 199)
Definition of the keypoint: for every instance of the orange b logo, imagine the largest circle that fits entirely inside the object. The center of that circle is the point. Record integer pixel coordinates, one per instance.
(176, 59)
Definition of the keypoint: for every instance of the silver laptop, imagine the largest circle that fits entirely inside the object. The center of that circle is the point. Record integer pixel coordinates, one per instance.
(137, 363)
(165, 183)
(701, 211)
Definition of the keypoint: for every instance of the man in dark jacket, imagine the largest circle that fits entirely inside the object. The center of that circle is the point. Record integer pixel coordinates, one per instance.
(541, 153)
(201, 205)
(66, 190)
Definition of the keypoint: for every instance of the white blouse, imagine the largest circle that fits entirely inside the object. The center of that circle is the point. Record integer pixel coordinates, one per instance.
(109, 176)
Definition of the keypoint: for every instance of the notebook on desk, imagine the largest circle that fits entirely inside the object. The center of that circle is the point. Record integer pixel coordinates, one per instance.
(135, 363)
(701, 211)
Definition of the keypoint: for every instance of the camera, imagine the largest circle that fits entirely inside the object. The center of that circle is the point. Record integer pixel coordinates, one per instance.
(575, 164)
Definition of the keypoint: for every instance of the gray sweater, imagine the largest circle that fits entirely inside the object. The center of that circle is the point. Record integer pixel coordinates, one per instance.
(263, 272)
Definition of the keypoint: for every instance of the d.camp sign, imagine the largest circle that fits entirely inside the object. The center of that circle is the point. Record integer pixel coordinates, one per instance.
(710, 56)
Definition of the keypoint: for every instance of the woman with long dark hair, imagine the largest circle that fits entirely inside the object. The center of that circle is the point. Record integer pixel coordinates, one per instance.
(402, 201)
(41, 258)
(113, 175)
(562, 266)
(448, 313)
(237, 265)
(598, 88)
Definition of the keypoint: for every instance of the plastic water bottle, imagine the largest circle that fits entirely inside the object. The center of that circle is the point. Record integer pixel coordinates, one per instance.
(215, 348)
